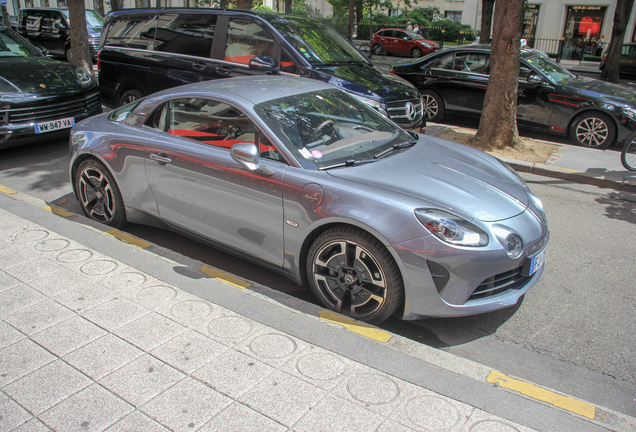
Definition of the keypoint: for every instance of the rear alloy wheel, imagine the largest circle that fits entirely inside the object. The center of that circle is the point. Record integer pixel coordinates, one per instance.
(433, 106)
(99, 195)
(417, 52)
(129, 97)
(352, 273)
(593, 130)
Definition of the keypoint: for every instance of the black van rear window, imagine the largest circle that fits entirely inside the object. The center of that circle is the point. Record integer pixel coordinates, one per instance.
(132, 31)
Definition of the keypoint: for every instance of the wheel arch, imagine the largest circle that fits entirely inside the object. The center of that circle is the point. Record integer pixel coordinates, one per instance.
(589, 110)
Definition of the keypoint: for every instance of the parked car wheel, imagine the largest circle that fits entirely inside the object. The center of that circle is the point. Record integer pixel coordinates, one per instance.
(68, 54)
(352, 273)
(594, 130)
(130, 96)
(417, 52)
(99, 195)
(433, 106)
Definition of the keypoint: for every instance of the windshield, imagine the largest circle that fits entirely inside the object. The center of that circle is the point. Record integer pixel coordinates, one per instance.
(93, 19)
(12, 45)
(120, 114)
(553, 70)
(330, 127)
(317, 42)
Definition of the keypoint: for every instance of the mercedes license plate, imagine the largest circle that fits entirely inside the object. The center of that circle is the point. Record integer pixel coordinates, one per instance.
(54, 125)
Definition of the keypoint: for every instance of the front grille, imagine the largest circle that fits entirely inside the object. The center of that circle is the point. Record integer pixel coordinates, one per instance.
(53, 109)
(398, 112)
(499, 283)
(94, 41)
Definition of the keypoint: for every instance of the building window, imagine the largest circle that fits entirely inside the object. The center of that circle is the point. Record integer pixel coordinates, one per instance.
(530, 19)
(455, 16)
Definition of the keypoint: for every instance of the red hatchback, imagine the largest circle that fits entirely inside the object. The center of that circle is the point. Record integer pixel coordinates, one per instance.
(402, 42)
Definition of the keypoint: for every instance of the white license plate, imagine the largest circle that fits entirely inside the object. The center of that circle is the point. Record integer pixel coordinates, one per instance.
(538, 261)
(54, 125)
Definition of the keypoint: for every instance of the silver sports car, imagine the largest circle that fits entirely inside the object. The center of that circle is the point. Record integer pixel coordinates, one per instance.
(309, 180)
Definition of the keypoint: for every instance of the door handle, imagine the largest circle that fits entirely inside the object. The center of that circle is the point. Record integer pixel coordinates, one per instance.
(198, 66)
(161, 158)
(222, 70)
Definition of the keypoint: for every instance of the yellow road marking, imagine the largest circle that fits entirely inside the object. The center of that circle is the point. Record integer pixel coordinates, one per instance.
(58, 211)
(128, 238)
(567, 403)
(6, 190)
(225, 277)
(356, 327)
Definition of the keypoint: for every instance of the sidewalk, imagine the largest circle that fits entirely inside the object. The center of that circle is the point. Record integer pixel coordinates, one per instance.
(97, 334)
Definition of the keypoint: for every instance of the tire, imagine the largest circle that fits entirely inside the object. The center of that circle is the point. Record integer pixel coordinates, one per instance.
(432, 105)
(129, 97)
(417, 52)
(99, 195)
(352, 273)
(378, 49)
(593, 130)
(68, 53)
(365, 49)
(628, 154)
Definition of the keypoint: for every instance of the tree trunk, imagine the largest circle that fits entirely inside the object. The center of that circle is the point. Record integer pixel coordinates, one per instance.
(486, 20)
(99, 7)
(621, 17)
(498, 123)
(80, 48)
(288, 6)
(223, 4)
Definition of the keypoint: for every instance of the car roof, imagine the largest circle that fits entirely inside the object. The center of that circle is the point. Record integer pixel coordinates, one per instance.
(255, 89)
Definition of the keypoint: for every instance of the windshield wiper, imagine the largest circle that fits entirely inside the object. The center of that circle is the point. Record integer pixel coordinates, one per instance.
(347, 163)
(398, 146)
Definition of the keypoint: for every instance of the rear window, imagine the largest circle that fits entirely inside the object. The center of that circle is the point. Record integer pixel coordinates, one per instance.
(131, 31)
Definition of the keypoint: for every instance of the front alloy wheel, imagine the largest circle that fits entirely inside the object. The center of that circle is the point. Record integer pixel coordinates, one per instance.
(350, 272)
(432, 105)
(594, 130)
(98, 194)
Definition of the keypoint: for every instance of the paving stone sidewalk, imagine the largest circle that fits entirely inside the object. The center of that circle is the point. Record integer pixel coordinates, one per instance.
(88, 343)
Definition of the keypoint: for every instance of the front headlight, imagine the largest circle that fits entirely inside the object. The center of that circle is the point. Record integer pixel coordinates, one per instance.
(426, 45)
(451, 229)
(373, 103)
(84, 77)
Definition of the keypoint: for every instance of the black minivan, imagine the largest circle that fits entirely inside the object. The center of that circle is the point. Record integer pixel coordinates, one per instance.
(50, 28)
(143, 51)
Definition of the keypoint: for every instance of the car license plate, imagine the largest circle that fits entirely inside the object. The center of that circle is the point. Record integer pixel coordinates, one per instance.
(538, 261)
(54, 125)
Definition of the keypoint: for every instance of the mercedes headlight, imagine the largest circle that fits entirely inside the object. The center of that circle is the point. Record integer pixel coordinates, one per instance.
(373, 103)
(451, 229)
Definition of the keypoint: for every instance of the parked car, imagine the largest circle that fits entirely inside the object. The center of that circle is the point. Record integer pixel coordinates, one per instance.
(40, 98)
(550, 98)
(308, 180)
(627, 63)
(50, 28)
(144, 51)
(402, 42)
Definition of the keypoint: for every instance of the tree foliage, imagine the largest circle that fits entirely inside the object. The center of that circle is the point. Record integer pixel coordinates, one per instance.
(621, 17)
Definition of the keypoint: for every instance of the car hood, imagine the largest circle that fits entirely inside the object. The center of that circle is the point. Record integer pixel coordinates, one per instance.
(605, 90)
(39, 76)
(460, 178)
(367, 80)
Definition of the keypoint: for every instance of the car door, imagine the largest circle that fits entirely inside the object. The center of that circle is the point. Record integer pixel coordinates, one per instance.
(55, 32)
(402, 42)
(199, 187)
(461, 79)
(182, 48)
(534, 105)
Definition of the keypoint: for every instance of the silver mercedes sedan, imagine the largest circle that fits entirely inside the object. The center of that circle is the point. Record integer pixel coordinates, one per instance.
(311, 181)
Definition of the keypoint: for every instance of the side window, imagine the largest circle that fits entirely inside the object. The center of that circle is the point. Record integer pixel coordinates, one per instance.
(209, 122)
(246, 39)
(287, 64)
(34, 20)
(475, 63)
(132, 31)
(385, 33)
(185, 34)
(445, 63)
(54, 23)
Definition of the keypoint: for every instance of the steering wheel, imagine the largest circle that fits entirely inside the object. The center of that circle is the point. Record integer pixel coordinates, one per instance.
(321, 126)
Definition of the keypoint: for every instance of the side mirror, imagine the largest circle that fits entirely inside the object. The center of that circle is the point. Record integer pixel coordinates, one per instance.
(43, 50)
(59, 26)
(246, 153)
(534, 79)
(263, 64)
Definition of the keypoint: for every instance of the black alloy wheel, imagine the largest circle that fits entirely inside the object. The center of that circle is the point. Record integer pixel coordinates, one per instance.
(129, 97)
(593, 130)
(352, 273)
(98, 194)
(432, 105)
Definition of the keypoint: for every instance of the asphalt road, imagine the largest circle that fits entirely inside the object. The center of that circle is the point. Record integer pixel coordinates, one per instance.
(573, 332)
